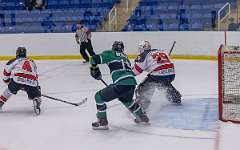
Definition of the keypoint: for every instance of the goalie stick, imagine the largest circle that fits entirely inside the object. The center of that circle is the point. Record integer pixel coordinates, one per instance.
(170, 52)
(60, 100)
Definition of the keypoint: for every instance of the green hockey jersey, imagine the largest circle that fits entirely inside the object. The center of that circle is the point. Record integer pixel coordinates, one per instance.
(119, 65)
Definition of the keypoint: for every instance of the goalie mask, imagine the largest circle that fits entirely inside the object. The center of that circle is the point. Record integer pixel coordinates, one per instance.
(21, 52)
(144, 46)
(118, 46)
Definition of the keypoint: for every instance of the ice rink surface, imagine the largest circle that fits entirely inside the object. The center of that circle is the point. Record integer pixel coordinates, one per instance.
(193, 125)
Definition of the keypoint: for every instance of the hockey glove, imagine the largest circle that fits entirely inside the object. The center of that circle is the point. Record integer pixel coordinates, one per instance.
(95, 72)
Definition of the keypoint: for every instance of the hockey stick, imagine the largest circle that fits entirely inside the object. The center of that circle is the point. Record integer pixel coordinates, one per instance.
(60, 100)
(104, 82)
(172, 48)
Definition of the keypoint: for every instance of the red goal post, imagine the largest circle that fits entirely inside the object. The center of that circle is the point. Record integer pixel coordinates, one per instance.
(229, 83)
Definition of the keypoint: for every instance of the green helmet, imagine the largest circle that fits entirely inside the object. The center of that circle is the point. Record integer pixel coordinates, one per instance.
(118, 46)
(21, 52)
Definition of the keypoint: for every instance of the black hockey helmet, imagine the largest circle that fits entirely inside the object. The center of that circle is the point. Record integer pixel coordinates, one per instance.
(21, 52)
(118, 46)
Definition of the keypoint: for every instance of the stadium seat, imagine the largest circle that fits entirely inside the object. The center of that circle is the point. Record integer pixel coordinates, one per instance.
(177, 14)
(64, 12)
(174, 14)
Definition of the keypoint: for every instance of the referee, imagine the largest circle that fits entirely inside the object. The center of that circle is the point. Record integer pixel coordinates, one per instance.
(83, 38)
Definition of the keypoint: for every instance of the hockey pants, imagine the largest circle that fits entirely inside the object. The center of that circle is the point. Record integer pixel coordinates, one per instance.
(124, 93)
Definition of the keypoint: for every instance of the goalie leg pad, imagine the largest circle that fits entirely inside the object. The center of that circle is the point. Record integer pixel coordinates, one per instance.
(144, 93)
(173, 95)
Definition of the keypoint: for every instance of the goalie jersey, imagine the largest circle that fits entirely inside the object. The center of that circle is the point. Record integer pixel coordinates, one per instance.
(156, 62)
(22, 71)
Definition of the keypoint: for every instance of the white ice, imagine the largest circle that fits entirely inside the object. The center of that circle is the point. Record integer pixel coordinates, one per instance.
(192, 125)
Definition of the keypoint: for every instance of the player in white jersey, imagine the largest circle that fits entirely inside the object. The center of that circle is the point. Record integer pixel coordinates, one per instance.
(161, 73)
(20, 73)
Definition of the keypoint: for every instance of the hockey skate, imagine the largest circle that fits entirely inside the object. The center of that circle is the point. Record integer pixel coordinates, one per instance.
(100, 124)
(36, 106)
(142, 119)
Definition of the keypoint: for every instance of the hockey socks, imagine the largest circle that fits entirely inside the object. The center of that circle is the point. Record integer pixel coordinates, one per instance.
(101, 123)
(101, 107)
(2, 101)
(4, 97)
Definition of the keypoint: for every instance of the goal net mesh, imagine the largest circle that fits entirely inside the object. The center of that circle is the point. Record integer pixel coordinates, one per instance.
(229, 61)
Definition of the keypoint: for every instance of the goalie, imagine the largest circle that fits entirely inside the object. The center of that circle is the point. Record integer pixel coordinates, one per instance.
(161, 74)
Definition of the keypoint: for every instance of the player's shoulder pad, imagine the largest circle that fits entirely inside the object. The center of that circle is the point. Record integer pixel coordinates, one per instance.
(11, 61)
(141, 57)
(106, 53)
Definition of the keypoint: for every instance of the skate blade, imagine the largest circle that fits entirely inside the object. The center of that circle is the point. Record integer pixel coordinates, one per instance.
(101, 128)
(144, 123)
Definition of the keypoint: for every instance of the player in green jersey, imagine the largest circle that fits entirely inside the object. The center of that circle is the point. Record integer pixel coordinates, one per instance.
(122, 88)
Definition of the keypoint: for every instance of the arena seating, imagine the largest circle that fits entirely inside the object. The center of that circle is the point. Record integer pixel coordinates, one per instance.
(175, 15)
(150, 15)
(59, 15)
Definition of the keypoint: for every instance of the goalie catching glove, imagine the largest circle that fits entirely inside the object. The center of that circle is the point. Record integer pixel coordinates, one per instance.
(95, 72)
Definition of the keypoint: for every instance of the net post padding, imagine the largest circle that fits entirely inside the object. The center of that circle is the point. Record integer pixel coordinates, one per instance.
(220, 107)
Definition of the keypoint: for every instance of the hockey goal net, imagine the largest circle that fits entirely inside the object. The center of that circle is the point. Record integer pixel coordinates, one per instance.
(229, 83)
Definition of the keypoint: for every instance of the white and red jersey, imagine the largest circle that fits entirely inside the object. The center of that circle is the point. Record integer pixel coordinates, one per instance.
(156, 62)
(22, 71)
